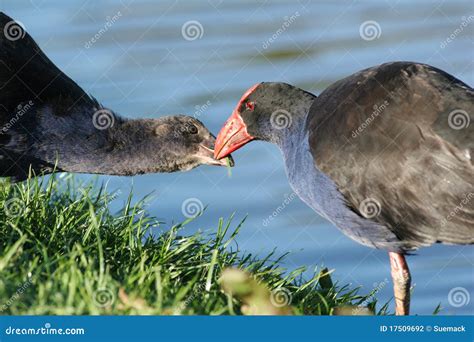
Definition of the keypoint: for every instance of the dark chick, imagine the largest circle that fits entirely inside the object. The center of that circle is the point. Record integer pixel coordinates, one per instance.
(48, 122)
(384, 154)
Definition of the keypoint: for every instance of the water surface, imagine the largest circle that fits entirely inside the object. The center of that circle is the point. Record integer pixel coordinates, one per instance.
(142, 66)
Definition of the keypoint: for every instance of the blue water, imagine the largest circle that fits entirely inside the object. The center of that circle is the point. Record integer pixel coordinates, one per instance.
(141, 66)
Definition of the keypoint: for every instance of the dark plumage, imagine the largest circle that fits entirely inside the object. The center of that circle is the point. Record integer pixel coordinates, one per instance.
(411, 159)
(385, 154)
(47, 120)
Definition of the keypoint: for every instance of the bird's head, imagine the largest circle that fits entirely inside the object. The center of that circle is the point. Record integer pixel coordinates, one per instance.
(187, 142)
(266, 112)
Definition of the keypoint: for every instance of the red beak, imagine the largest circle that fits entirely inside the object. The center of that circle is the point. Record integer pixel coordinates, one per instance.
(232, 136)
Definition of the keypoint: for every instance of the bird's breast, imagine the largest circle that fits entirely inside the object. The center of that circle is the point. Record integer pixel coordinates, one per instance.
(320, 193)
(314, 188)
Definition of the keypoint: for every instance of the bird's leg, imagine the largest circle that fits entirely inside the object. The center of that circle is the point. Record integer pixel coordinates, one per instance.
(401, 283)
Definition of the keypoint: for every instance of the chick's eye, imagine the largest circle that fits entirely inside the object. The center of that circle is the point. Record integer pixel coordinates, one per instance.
(250, 105)
(192, 129)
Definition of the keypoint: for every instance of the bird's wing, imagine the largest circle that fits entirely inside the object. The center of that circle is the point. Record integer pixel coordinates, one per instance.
(401, 136)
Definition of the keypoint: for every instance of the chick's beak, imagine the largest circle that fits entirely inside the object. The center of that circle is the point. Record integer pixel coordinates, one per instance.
(232, 136)
(206, 154)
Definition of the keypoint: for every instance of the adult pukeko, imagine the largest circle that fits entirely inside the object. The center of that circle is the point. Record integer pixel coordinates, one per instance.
(47, 121)
(384, 154)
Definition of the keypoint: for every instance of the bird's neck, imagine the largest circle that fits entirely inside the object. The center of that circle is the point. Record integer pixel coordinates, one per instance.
(126, 150)
(291, 128)
(118, 149)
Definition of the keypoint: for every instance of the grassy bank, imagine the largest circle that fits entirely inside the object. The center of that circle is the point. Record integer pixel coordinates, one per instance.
(63, 252)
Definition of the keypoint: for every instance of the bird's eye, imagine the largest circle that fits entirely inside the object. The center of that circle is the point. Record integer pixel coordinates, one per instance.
(192, 129)
(250, 105)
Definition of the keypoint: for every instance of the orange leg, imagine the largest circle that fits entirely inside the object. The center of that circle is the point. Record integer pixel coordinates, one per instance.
(401, 283)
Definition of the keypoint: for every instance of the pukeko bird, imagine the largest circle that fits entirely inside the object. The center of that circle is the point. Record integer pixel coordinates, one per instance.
(384, 154)
(47, 122)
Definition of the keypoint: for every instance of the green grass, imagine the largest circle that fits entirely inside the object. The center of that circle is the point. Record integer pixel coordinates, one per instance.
(63, 252)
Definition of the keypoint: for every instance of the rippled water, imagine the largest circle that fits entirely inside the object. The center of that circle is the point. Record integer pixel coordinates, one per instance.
(141, 66)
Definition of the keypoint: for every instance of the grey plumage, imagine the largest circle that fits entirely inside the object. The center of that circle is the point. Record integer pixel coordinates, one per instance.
(385, 154)
(410, 158)
(48, 121)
